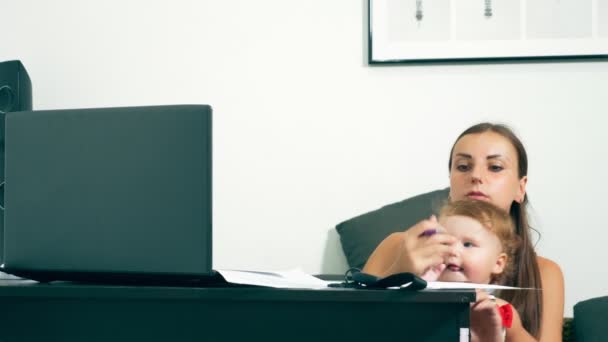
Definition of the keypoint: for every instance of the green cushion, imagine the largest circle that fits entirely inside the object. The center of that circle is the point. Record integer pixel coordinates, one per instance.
(360, 235)
(590, 320)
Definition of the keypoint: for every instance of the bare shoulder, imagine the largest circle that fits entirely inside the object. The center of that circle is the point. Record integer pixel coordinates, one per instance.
(549, 270)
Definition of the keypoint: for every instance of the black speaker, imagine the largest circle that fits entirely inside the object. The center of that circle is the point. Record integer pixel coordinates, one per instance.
(15, 95)
(15, 87)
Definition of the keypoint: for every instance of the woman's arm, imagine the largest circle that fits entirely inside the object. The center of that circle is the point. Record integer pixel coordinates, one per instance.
(553, 306)
(553, 300)
(410, 251)
(382, 261)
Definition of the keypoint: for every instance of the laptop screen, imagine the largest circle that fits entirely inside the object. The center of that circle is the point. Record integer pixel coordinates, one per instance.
(108, 191)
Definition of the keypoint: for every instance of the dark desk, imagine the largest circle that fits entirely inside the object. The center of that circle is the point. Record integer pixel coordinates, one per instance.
(77, 312)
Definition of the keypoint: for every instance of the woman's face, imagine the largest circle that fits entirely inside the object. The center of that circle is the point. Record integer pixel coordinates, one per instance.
(485, 167)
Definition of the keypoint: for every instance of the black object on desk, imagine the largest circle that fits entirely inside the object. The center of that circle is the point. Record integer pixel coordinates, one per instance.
(76, 312)
(355, 278)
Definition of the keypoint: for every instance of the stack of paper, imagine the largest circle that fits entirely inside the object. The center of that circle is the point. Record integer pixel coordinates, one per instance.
(297, 279)
(293, 279)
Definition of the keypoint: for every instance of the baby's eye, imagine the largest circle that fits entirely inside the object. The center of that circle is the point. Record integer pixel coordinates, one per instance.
(468, 244)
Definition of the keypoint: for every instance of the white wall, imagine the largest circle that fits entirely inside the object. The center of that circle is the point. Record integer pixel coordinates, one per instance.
(307, 134)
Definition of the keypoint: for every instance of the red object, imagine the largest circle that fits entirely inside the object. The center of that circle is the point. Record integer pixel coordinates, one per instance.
(506, 313)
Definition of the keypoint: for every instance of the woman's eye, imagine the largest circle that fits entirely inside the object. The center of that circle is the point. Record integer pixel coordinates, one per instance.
(462, 167)
(496, 168)
(468, 244)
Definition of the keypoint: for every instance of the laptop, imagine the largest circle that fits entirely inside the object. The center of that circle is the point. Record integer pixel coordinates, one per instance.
(108, 194)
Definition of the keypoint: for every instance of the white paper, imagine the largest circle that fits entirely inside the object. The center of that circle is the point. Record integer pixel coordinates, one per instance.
(437, 285)
(292, 279)
(297, 279)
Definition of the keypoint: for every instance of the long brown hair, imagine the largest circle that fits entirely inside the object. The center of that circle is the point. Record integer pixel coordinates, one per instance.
(528, 303)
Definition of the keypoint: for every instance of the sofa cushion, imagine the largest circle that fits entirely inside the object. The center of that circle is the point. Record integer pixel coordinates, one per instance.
(590, 319)
(360, 235)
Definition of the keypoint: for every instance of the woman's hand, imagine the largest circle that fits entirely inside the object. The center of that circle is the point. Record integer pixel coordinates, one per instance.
(486, 322)
(422, 253)
(411, 251)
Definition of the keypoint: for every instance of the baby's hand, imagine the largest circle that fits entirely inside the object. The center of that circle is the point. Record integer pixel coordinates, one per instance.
(486, 320)
(433, 273)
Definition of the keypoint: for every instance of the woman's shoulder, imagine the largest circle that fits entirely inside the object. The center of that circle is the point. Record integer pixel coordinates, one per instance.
(547, 264)
(549, 270)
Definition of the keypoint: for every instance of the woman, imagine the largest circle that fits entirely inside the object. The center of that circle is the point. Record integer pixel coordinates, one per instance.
(487, 163)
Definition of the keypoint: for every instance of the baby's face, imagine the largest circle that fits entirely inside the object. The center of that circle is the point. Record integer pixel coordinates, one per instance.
(478, 253)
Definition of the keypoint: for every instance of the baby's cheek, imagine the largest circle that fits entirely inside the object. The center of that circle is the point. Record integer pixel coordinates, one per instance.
(477, 275)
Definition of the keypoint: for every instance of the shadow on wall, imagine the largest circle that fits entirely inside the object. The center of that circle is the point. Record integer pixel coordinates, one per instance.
(334, 260)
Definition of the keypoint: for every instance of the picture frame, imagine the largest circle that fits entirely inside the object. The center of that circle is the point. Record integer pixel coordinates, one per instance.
(432, 31)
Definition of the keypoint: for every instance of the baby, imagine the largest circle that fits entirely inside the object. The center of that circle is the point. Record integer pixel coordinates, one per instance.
(486, 242)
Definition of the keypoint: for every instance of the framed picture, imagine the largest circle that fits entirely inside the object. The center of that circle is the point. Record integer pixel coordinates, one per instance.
(407, 31)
